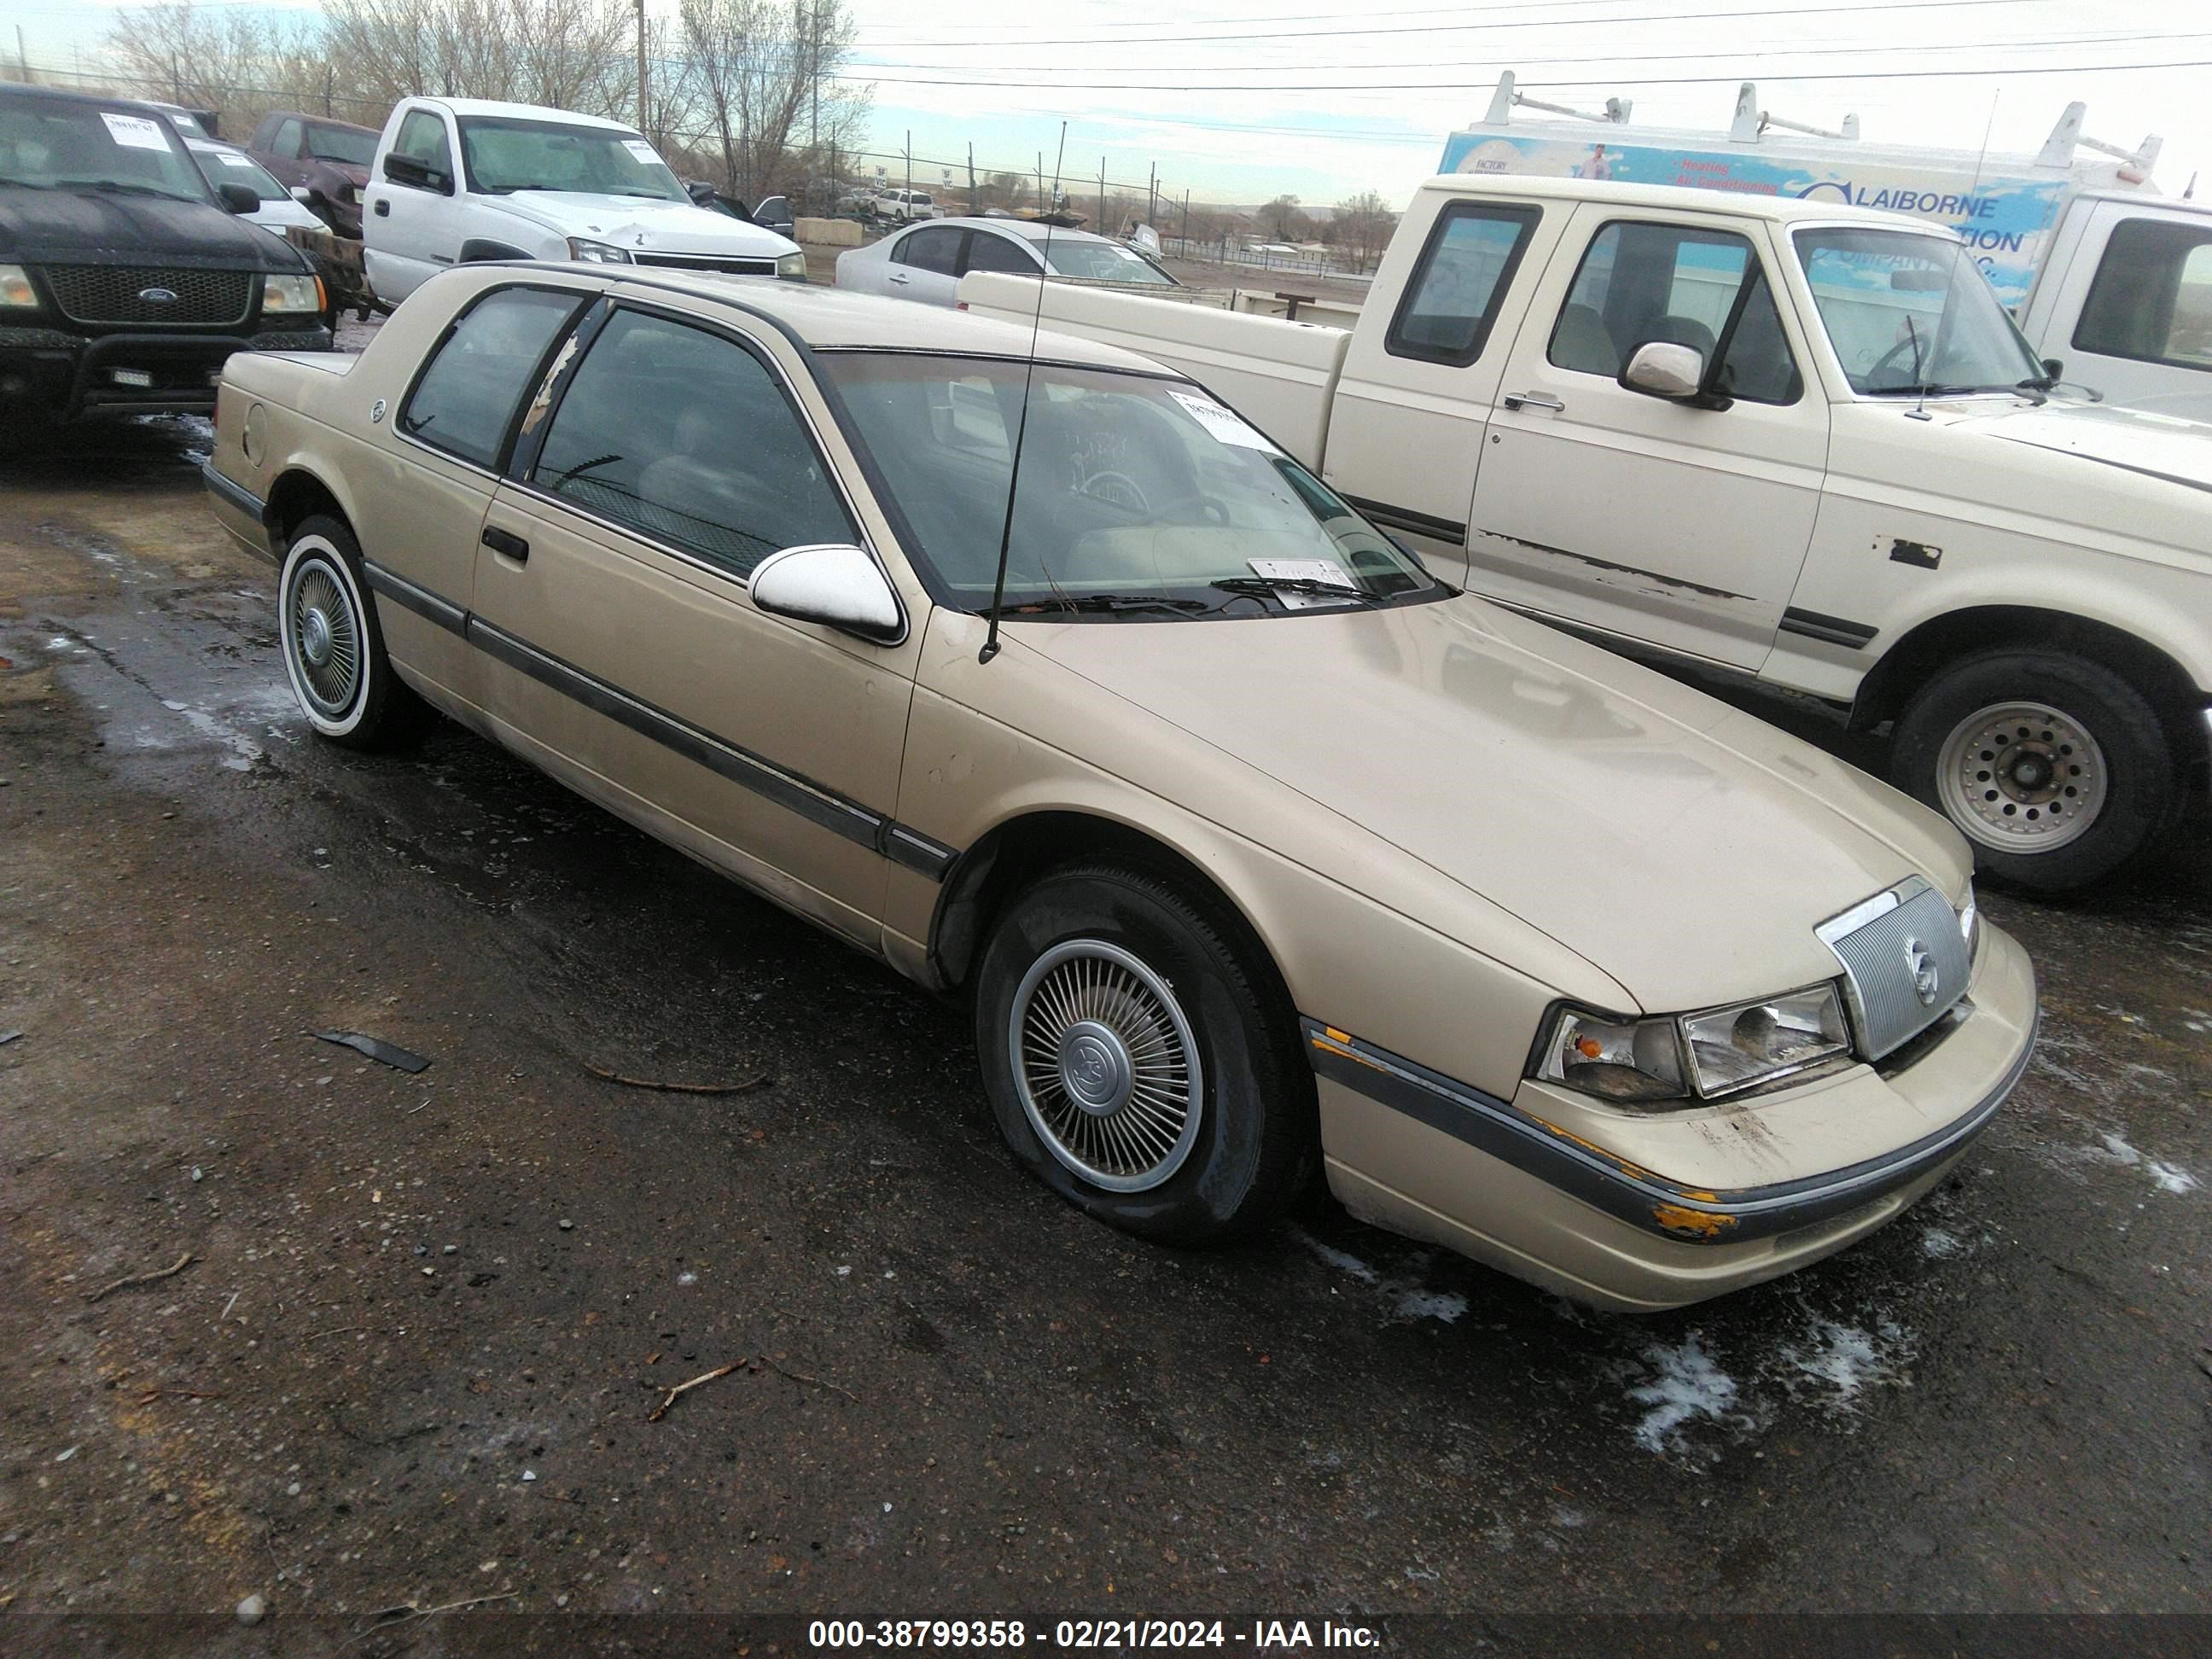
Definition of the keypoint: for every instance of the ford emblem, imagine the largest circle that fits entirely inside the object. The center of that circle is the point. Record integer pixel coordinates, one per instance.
(158, 296)
(1922, 966)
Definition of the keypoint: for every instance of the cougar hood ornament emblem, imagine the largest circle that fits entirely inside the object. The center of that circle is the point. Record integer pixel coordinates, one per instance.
(1922, 966)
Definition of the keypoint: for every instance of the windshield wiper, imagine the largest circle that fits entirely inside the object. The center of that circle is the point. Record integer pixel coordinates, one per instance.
(118, 187)
(1295, 585)
(1111, 602)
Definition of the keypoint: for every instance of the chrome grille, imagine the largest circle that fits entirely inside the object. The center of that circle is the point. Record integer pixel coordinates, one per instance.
(726, 263)
(1893, 947)
(111, 294)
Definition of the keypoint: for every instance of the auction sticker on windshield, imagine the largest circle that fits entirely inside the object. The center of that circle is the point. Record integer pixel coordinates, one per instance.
(1230, 429)
(640, 148)
(136, 131)
(1303, 570)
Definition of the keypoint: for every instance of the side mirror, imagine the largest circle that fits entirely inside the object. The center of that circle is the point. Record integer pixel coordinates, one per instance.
(419, 175)
(2055, 367)
(301, 193)
(239, 198)
(833, 585)
(1659, 368)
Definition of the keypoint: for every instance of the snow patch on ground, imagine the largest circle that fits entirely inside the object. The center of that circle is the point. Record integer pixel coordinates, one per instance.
(1836, 1362)
(1942, 1245)
(2119, 1154)
(1687, 1387)
(1408, 1298)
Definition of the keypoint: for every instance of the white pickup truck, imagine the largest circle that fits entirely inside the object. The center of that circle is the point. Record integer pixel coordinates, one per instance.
(456, 180)
(1795, 440)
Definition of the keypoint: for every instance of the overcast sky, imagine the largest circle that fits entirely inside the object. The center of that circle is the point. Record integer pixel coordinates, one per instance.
(1292, 96)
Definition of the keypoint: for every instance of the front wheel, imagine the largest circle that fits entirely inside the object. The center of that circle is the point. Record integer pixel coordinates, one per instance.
(2055, 768)
(1136, 1059)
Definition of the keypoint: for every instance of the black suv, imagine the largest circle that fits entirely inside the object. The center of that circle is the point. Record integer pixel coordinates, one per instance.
(125, 281)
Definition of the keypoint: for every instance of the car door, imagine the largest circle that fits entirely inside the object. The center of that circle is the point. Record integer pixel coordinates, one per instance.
(426, 486)
(412, 228)
(625, 651)
(1679, 522)
(2143, 334)
(925, 265)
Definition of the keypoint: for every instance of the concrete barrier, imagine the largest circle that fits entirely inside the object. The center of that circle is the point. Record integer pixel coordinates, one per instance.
(829, 232)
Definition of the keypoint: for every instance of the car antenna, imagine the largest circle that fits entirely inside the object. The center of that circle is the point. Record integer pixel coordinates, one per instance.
(1021, 428)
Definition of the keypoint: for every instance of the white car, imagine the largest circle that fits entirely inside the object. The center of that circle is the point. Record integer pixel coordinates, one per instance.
(226, 164)
(927, 263)
(905, 205)
(461, 179)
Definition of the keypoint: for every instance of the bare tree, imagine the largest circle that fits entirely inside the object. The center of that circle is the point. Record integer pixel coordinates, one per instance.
(234, 63)
(1283, 218)
(764, 77)
(1363, 224)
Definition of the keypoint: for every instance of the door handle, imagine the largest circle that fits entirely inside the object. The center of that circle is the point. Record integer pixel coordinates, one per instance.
(1534, 400)
(503, 541)
(383, 209)
(900, 280)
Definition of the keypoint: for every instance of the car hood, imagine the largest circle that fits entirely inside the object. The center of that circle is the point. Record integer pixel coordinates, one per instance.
(1683, 847)
(631, 222)
(2176, 450)
(95, 227)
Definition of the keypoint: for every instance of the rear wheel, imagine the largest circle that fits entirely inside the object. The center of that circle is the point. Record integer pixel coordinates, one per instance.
(1138, 1060)
(2056, 768)
(333, 648)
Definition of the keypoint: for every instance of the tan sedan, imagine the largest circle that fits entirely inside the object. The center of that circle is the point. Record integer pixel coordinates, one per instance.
(1256, 851)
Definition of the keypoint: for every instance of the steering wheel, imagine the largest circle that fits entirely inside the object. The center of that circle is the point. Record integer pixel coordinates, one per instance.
(1118, 488)
(1883, 362)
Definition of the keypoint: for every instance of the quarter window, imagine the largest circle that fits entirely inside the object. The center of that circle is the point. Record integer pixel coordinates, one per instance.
(1452, 300)
(466, 398)
(2152, 298)
(936, 249)
(688, 438)
(1707, 290)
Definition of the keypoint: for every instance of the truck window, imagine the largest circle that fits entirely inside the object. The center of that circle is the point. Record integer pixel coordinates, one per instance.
(422, 138)
(2152, 297)
(1465, 269)
(287, 141)
(1642, 283)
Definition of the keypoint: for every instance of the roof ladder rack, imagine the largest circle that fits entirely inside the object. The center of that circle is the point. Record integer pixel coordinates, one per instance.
(2058, 149)
(1751, 120)
(1503, 100)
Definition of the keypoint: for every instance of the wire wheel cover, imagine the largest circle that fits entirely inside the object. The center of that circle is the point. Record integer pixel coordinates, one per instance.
(323, 639)
(1106, 1065)
(2022, 777)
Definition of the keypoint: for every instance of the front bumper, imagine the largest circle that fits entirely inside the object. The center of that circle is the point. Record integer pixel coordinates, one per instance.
(66, 375)
(1650, 1211)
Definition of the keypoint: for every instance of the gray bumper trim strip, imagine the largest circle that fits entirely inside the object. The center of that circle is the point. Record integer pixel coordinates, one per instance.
(420, 600)
(236, 494)
(1652, 1202)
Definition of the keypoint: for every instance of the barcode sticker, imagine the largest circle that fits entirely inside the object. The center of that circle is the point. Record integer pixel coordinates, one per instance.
(1225, 425)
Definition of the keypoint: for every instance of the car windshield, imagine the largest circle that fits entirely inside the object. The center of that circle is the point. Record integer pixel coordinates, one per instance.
(223, 166)
(1103, 262)
(504, 155)
(356, 150)
(53, 145)
(1912, 315)
(1137, 497)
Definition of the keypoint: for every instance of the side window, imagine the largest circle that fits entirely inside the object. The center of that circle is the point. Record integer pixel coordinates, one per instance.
(1452, 300)
(422, 138)
(287, 141)
(1645, 282)
(2152, 296)
(989, 253)
(689, 439)
(935, 249)
(466, 397)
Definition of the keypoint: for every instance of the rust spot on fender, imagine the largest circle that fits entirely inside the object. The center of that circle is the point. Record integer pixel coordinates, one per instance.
(1696, 1224)
(1614, 1158)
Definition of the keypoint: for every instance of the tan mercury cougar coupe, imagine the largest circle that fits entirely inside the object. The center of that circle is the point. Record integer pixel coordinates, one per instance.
(1255, 850)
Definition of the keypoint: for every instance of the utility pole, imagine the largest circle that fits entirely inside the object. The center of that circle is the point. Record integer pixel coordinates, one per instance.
(1186, 224)
(909, 167)
(1153, 195)
(329, 86)
(22, 57)
(973, 210)
(1102, 231)
(641, 112)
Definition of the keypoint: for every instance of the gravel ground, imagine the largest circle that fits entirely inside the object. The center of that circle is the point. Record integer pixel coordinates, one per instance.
(424, 1321)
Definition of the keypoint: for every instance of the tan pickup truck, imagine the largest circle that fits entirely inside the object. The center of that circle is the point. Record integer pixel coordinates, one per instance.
(1791, 440)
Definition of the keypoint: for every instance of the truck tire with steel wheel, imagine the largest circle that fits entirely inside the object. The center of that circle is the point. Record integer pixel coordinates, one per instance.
(2055, 768)
(332, 646)
(1140, 1063)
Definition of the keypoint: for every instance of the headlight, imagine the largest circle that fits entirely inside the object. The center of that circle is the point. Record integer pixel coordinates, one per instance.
(791, 267)
(597, 253)
(1703, 1056)
(15, 289)
(291, 296)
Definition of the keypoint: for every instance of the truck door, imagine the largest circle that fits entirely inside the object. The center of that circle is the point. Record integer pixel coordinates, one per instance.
(1681, 523)
(2133, 314)
(411, 218)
